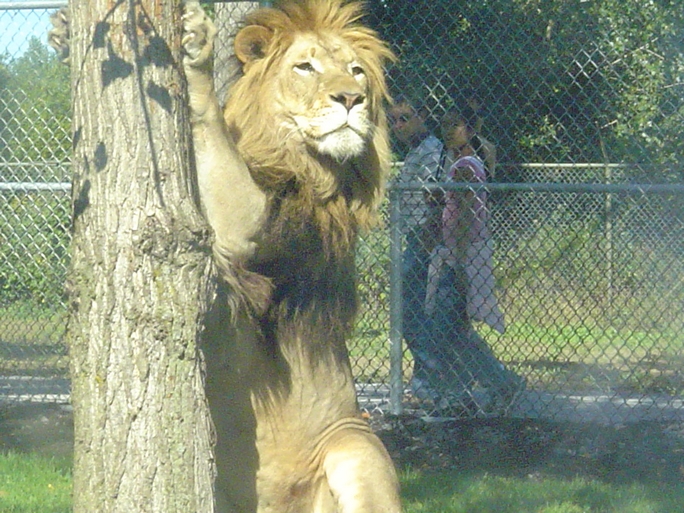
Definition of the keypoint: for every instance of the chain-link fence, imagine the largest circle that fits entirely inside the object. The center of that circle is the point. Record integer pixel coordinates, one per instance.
(585, 211)
(590, 280)
(582, 105)
(34, 206)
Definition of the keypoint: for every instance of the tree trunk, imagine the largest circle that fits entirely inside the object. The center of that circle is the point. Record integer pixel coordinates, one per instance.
(140, 279)
(228, 18)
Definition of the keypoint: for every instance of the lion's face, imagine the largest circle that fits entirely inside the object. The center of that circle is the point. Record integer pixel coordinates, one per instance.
(322, 96)
(309, 105)
(315, 79)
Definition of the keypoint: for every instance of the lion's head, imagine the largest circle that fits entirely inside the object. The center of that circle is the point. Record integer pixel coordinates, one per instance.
(309, 106)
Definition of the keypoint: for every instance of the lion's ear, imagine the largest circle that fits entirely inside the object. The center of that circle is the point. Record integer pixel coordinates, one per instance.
(251, 43)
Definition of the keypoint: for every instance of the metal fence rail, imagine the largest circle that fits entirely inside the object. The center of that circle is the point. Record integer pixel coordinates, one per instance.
(586, 213)
(592, 291)
(34, 207)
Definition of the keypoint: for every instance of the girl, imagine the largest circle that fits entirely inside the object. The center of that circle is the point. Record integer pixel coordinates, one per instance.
(460, 285)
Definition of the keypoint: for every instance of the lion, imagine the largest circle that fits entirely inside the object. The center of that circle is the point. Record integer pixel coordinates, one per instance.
(289, 173)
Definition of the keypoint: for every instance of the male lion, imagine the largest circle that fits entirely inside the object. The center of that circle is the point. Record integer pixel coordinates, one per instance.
(289, 173)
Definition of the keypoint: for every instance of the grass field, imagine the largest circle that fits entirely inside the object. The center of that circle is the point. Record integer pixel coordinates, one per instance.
(30, 483)
(523, 465)
(556, 356)
(551, 355)
(453, 492)
(475, 466)
(37, 484)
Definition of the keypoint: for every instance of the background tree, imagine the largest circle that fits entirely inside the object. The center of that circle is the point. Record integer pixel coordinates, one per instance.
(228, 17)
(139, 281)
(34, 104)
(562, 81)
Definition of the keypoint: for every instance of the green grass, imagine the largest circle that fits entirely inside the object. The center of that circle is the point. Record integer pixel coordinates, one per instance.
(34, 484)
(593, 357)
(453, 492)
(553, 356)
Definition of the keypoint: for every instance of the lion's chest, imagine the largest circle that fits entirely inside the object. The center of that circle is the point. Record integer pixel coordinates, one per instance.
(305, 239)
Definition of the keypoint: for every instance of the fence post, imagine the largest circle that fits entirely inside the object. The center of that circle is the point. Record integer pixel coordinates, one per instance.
(395, 331)
(608, 226)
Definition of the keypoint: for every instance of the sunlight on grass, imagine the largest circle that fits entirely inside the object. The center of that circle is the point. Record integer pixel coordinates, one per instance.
(456, 493)
(34, 484)
(553, 356)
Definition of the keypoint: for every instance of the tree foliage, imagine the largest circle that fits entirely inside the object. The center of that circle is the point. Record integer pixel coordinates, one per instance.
(35, 109)
(35, 145)
(561, 81)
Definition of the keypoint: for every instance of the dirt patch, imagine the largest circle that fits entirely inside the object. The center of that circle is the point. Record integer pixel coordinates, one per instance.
(535, 448)
(46, 429)
(644, 451)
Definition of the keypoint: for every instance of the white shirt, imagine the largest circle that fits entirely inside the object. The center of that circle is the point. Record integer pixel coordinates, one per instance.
(420, 165)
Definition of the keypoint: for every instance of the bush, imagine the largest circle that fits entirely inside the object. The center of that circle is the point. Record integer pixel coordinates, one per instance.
(34, 236)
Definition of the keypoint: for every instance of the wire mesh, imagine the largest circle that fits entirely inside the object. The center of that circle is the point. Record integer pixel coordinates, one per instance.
(591, 287)
(34, 209)
(569, 94)
(590, 281)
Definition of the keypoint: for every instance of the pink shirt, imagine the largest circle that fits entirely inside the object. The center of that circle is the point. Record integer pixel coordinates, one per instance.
(452, 214)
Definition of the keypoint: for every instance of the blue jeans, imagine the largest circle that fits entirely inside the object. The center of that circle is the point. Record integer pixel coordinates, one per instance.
(417, 325)
(447, 352)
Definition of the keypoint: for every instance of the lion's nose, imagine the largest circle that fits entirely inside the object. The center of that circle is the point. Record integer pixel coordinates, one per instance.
(347, 99)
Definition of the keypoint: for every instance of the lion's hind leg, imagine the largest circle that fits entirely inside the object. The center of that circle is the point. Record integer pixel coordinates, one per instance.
(360, 473)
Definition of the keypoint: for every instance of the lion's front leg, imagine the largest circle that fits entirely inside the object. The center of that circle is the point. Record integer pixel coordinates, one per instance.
(198, 44)
(234, 205)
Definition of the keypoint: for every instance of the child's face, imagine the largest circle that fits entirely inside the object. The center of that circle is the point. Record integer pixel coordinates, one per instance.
(459, 136)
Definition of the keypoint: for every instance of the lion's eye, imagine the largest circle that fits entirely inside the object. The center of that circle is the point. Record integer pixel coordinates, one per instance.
(357, 70)
(304, 68)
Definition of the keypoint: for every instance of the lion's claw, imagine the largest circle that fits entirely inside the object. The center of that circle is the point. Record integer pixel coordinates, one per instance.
(198, 37)
(58, 36)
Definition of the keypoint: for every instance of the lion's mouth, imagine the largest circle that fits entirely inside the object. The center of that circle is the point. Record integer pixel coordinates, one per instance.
(344, 127)
(343, 143)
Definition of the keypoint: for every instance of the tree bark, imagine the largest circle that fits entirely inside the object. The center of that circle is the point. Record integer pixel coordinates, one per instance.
(228, 18)
(140, 280)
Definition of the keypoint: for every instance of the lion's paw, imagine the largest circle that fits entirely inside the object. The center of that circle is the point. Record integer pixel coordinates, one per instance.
(198, 35)
(58, 36)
